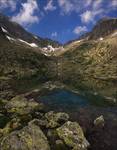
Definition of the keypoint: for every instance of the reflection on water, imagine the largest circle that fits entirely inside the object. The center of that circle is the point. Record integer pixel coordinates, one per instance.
(85, 110)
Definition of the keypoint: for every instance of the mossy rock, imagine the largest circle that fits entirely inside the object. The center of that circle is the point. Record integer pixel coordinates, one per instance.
(22, 106)
(56, 119)
(72, 134)
(30, 137)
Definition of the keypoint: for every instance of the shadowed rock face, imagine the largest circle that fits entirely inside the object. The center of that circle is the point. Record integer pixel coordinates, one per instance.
(103, 28)
(30, 137)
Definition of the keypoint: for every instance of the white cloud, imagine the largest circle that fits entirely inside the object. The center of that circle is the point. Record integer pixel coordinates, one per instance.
(88, 3)
(97, 4)
(11, 4)
(114, 3)
(69, 6)
(50, 6)
(26, 15)
(54, 34)
(80, 29)
(87, 16)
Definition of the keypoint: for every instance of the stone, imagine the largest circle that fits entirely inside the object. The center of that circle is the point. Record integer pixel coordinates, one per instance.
(56, 119)
(38, 122)
(30, 137)
(99, 122)
(11, 125)
(22, 106)
(72, 134)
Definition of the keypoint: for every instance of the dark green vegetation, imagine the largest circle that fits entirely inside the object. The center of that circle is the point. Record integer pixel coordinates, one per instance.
(19, 64)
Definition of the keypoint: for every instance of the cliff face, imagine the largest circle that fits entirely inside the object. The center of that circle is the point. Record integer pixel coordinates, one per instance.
(103, 28)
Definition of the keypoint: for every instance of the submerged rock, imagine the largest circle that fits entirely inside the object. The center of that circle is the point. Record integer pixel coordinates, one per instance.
(22, 106)
(73, 135)
(30, 137)
(56, 119)
(99, 122)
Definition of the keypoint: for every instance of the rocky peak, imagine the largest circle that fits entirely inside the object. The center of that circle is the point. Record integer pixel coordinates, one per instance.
(103, 28)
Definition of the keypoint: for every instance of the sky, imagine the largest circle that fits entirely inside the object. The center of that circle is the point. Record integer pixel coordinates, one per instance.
(60, 20)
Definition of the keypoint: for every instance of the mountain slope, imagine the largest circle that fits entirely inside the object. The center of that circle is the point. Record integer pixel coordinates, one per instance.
(16, 31)
(91, 65)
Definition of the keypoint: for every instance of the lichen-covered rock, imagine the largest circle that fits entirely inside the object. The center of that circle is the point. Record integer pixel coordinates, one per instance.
(30, 137)
(22, 106)
(73, 135)
(38, 122)
(11, 125)
(99, 122)
(56, 119)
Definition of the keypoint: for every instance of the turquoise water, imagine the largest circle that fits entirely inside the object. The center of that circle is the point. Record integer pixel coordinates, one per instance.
(64, 97)
(62, 100)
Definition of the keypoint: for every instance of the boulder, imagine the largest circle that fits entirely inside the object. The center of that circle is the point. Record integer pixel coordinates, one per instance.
(72, 134)
(99, 122)
(13, 124)
(30, 137)
(56, 119)
(22, 106)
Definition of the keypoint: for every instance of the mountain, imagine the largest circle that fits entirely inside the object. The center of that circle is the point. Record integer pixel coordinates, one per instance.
(91, 64)
(104, 27)
(15, 31)
(21, 57)
(87, 64)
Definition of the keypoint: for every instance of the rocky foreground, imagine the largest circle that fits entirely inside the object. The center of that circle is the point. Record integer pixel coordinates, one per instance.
(25, 125)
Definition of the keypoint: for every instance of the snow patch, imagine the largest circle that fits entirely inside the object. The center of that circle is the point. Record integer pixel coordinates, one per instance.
(35, 37)
(4, 30)
(114, 34)
(10, 38)
(49, 50)
(30, 44)
(101, 38)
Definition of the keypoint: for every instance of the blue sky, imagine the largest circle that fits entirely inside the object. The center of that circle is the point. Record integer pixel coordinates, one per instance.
(60, 20)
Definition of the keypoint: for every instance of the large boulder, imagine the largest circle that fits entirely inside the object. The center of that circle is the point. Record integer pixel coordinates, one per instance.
(30, 137)
(56, 119)
(72, 134)
(22, 106)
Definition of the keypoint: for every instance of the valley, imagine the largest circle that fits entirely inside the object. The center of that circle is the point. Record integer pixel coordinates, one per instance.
(64, 95)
